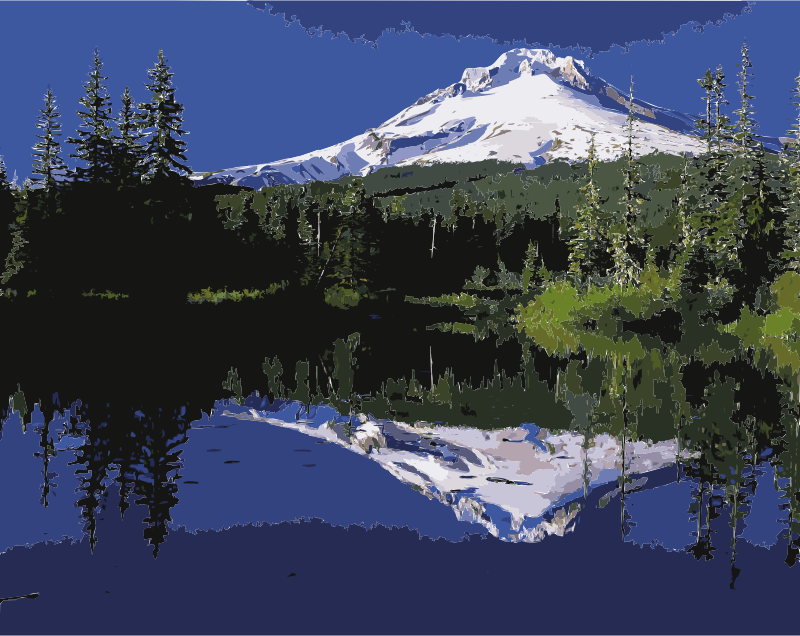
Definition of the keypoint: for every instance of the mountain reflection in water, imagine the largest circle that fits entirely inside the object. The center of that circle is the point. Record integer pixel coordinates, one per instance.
(303, 471)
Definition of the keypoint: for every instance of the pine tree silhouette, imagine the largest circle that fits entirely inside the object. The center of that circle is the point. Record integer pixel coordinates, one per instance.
(162, 122)
(5, 184)
(128, 151)
(93, 144)
(47, 162)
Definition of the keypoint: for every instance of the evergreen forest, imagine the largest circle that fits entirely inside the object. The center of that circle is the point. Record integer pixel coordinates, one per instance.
(130, 225)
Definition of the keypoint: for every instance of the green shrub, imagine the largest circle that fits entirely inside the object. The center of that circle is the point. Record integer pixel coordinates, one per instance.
(206, 295)
(344, 297)
(785, 293)
(107, 294)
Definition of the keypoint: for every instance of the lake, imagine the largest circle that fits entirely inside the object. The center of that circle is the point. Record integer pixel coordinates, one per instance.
(484, 498)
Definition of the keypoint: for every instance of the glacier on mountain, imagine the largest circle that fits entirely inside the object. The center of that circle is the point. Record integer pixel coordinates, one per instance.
(529, 107)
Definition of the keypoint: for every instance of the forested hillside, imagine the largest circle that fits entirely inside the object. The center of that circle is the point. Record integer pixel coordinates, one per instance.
(129, 227)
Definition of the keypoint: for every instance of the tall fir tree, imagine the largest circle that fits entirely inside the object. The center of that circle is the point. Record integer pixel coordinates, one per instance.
(46, 156)
(625, 236)
(591, 235)
(705, 123)
(531, 267)
(720, 180)
(711, 228)
(698, 216)
(752, 221)
(162, 122)
(723, 129)
(8, 226)
(310, 234)
(5, 184)
(94, 144)
(790, 176)
(683, 204)
(693, 266)
(554, 220)
(128, 151)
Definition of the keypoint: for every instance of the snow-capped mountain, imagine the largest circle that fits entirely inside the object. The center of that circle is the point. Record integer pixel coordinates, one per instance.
(528, 107)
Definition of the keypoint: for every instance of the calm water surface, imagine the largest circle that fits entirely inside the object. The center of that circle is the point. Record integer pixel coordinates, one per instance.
(354, 480)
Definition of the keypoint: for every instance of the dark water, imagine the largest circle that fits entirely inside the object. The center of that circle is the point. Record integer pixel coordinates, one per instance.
(207, 471)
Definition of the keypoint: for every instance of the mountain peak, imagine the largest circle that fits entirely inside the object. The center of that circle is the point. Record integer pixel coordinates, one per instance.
(528, 107)
(524, 62)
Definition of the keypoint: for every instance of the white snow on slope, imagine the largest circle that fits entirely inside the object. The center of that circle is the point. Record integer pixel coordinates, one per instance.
(528, 107)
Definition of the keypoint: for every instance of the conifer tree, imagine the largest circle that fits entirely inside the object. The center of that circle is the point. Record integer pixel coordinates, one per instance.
(590, 235)
(128, 151)
(531, 267)
(746, 136)
(505, 278)
(13, 210)
(309, 239)
(704, 124)
(8, 227)
(37, 206)
(688, 236)
(711, 230)
(719, 180)
(94, 144)
(762, 252)
(554, 220)
(46, 160)
(162, 121)
(723, 129)
(693, 263)
(790, 176)
(727, 185)
(5, 184)
(625, 238)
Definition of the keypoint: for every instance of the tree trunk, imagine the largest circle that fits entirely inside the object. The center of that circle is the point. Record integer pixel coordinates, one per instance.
(622, 485)
(708, 513)
(700, 512)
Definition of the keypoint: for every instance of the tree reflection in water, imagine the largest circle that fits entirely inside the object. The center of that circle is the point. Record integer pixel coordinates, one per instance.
(723, 431)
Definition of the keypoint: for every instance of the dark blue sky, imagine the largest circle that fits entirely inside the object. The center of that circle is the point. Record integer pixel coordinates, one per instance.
(256, 89)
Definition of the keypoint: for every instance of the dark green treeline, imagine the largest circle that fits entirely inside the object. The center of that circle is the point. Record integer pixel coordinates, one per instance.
(130, 225)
